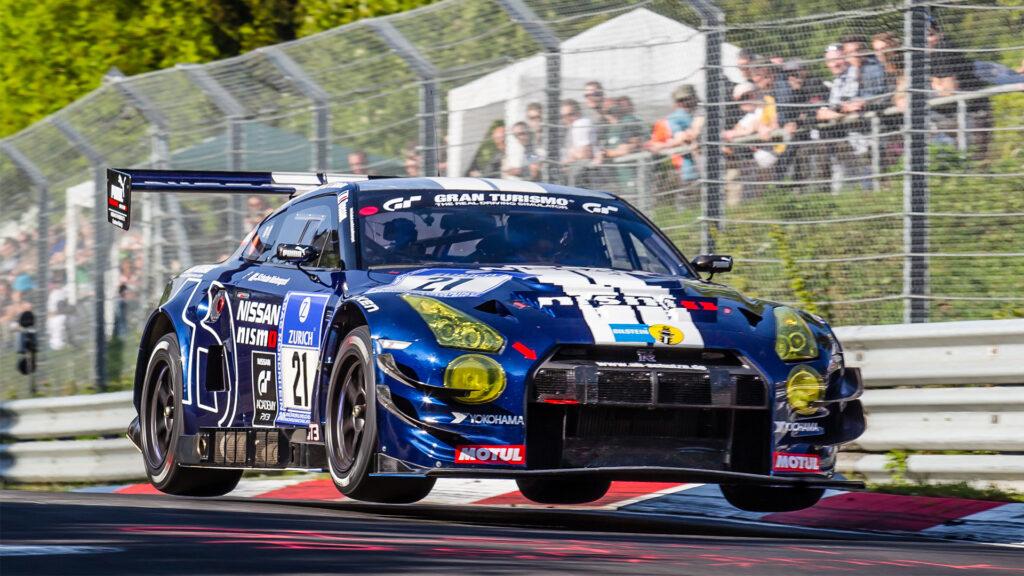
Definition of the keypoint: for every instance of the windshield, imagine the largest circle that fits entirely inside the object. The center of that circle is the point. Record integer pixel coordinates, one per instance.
(498, 235)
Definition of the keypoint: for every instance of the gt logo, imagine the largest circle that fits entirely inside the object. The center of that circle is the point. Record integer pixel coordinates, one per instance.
(595, 208)
(400, 203)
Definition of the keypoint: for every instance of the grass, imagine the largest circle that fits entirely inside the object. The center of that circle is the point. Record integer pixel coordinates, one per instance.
(949, 490)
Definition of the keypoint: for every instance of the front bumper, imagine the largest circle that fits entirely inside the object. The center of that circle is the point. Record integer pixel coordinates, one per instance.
(641, 474)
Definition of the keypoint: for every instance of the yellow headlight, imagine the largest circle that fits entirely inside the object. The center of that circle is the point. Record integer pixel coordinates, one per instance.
(804, 387)
(793, 338)
(455, 329)
(481, 377)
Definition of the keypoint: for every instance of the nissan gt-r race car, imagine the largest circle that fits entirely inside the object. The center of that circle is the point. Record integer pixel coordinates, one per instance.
(393, 331)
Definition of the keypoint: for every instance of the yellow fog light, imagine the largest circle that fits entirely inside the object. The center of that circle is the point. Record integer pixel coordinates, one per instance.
(793, 338)
(481, 377)
(804, 387)
(453, 328)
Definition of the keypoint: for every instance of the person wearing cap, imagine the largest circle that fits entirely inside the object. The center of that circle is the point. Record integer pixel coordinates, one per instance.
(684, 125)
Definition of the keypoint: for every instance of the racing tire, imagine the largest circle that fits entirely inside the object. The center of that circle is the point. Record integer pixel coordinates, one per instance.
(161, 420)
(562, 490)
(351, 429)
(771, 499)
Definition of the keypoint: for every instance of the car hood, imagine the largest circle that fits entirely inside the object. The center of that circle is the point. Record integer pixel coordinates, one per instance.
(546, 305)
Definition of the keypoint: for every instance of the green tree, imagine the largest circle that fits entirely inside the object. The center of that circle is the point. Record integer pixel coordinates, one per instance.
(55, 51)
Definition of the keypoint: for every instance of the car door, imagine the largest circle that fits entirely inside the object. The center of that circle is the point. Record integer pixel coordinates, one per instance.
(281, 310)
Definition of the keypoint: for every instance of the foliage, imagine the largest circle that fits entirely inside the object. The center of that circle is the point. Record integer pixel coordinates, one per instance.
(949, 490)
(55, 51)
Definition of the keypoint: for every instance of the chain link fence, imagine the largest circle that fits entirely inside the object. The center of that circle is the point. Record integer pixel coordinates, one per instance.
(864, 160)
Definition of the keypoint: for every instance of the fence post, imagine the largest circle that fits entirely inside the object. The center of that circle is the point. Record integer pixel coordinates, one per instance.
(101, 236)
(712, 21)
(316, 94)
(915, 181)
(42, 185)
(235, 112)
(160, 158)
(429, 101)
(961, 125)
(876, 153)
(525, 17)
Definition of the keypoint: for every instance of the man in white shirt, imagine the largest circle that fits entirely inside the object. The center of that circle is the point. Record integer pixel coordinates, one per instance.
(580, 137)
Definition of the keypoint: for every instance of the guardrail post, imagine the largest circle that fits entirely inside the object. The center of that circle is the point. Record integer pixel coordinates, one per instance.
(429, 101)
(961, 125)
(876, 153)
(102, 247)
(525, 17)
(316, 94)
(235, 112)
(712, 21)
(42, 185)
(915, 180)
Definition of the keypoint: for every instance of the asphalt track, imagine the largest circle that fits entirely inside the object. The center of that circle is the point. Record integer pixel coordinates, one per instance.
(79, 533)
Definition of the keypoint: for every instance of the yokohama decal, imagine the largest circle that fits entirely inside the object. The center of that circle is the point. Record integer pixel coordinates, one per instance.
(784, 462)
(514, 454)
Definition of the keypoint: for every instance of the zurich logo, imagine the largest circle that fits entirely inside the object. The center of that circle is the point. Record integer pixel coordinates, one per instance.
(304, 309)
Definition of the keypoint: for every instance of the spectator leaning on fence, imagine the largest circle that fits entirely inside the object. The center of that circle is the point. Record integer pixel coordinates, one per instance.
(594, 102)
(535, 120)
(681, 128)
(624, 135)
(357, 162)
(952, 74)
(580, 137)
(522, 158)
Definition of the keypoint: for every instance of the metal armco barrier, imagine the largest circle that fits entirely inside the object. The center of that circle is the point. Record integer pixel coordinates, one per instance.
(975, 416)
(980, 352)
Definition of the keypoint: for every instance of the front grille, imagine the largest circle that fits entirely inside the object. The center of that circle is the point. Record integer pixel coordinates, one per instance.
(684, 379)
(684, 388)
(628, 387)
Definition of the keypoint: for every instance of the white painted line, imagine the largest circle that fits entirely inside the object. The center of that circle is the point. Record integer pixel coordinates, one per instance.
(467, 491)
(7, 550)
(642, 497)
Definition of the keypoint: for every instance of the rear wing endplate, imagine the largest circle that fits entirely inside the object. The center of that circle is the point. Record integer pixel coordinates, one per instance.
(121, 184)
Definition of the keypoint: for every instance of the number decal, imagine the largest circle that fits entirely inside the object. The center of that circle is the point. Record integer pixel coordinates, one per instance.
(300, 388)
(442, 283)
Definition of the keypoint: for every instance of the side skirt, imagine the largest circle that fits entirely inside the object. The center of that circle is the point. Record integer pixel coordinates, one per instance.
(251, 448)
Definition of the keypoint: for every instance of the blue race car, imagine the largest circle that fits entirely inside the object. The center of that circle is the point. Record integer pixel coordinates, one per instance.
(393, 331)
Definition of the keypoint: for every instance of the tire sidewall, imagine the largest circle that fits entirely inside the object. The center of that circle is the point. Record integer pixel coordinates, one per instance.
(165, 349)
(356, 347)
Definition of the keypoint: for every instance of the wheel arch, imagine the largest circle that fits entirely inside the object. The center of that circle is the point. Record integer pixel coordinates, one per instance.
(348, 316)
(157, 326)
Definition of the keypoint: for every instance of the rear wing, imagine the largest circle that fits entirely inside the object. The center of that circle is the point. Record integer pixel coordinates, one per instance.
(122, 183)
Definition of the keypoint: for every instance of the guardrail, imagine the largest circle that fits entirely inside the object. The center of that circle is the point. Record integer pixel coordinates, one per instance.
(974, 416)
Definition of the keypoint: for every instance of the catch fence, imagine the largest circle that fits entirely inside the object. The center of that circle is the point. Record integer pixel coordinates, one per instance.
(861, 159)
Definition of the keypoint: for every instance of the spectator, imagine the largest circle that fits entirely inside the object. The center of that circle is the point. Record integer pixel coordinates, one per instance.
(806, 94)
(493, 168)
(521, 158)
(411, 162)
(9, 256)
(535, 120)
(953, 74)
(357, 162)
(864, 71)
(594, 103)
(624, 135)
(682, 127)
(841, 89)
(760, 118)
(888, 50)
(579, 135)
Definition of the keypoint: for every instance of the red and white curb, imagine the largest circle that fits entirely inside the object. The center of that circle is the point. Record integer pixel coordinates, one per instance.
(946, 518)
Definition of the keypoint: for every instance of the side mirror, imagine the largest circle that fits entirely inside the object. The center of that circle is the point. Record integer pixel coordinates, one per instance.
(296, 253)
(712, 264)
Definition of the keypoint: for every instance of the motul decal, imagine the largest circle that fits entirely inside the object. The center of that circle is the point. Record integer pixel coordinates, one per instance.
(783, 462)
(515, 454)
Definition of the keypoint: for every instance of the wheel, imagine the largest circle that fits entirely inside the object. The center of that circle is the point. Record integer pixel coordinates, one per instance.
(160, 416)
(351, 429)
(771, 499)
(562, 490)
